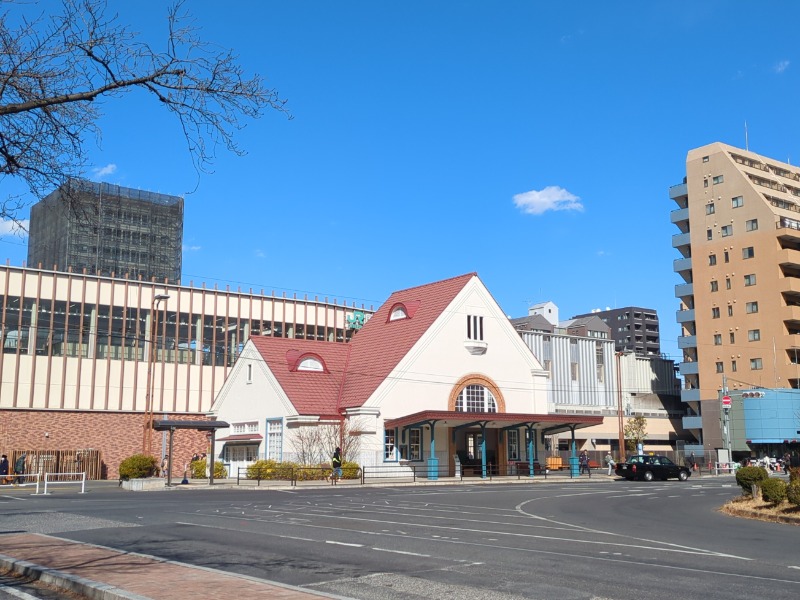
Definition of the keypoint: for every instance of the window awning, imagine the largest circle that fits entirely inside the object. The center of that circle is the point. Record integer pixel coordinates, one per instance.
(242, 437)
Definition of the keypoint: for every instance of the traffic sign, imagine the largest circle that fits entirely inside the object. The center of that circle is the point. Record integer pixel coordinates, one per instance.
(726, 402)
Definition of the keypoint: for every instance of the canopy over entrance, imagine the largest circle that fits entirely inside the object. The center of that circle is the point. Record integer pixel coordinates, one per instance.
(471, 448)
(550, 424)
(173, 424)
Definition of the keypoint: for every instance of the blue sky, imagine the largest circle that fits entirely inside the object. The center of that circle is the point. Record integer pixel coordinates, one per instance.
(531, 142)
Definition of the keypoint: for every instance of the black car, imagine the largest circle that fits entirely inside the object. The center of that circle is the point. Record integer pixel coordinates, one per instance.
(650, 467)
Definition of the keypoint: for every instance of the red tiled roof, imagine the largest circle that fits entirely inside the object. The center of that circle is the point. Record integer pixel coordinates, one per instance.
(379, 346)
(311, 392)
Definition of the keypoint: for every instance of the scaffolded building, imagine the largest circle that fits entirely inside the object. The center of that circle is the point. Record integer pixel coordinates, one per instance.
(105, 229)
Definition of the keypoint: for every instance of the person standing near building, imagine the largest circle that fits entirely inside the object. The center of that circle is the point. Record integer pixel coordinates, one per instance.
(336, 464)
(165, 465)
(610, 463)
(4, 478)
(583, 460)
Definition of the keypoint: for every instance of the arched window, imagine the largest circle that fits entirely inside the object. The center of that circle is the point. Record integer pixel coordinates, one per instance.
(310, 363)
(476, 398)
(398, 312)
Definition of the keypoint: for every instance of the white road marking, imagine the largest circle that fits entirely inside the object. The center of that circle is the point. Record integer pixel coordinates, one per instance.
(13, 498)
(402, 552)
(702, 571)
(344, 544)
(669, 547)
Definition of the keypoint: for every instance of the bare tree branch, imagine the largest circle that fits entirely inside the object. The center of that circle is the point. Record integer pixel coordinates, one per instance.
(54, 69)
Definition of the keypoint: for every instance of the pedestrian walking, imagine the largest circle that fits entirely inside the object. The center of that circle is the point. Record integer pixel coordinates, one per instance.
(336, 465)
(610, 463)
(691, 462)
(19, 468)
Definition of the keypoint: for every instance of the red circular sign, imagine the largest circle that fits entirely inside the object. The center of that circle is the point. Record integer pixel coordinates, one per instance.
(726, 401)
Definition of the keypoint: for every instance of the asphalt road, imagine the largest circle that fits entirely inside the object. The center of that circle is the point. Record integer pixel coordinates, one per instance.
(601, 540)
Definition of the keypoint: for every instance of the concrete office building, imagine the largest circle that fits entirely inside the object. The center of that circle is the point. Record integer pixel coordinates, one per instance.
(77, 350)
(586, 375)
(738, 217)
(633, 329)
(108, 229)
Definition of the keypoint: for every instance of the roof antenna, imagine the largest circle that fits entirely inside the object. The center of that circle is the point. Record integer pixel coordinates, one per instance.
(746, 142)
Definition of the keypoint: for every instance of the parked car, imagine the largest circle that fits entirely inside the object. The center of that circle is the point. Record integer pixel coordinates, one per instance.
(650, 467)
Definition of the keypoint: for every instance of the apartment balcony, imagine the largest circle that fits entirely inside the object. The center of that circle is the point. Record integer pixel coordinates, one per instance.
(789, 285)
(682, 264)
(676, 191)
(679, 215)
(789, 257)
(684, 289)
(684, 316)
(689, 368)
(693, 422)
(692, 395)
(682, 239)
(790, 313)
(687, 341)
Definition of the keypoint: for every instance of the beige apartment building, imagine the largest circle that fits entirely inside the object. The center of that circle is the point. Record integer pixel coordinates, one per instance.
(77, 350)
(739, 220)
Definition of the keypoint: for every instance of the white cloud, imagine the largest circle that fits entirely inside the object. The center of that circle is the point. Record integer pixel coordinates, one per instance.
(781, 66)
(11, 227)
(550, 198)
(99, 172)
(191, 248)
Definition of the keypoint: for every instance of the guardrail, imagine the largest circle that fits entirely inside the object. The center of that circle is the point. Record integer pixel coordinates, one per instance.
(728, 467)
(389, 473)
(49, 481)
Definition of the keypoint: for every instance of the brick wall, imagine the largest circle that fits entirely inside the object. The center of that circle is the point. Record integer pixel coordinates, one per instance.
(115, 435)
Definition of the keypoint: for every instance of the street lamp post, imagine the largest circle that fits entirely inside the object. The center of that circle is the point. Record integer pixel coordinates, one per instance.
(147, 437)
(620, 425)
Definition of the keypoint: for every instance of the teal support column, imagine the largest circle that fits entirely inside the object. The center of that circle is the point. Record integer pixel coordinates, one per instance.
(483, 450)
(531, 445)
(433, 462)
(574, 468)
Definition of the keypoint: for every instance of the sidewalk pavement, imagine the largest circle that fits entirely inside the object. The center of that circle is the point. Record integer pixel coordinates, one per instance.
(102, 573)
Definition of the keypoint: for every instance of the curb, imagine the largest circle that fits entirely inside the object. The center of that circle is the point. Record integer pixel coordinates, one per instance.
(64, 581)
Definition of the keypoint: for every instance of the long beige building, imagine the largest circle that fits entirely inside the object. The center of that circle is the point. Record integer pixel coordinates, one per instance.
(739, 220)
(77, 348)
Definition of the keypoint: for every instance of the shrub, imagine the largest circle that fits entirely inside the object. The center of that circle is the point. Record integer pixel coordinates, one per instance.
(350, 470)
(198, 469)
(793, 492)
(136, 466)
(747, 477)
(794, 474)
(772, 490)
(261, 469)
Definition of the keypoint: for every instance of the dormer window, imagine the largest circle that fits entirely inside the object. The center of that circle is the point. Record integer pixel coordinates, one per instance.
(311, 363)
(305, 361)
(398, 312)
(403, 310)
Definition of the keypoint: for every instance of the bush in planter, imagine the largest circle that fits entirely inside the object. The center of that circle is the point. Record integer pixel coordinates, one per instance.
(137, 466)
(747, 477)
(772, 490)
(198, 469)
(793, 492)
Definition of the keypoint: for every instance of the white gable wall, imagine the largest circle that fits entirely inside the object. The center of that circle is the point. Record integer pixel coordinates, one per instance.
(241, 401)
